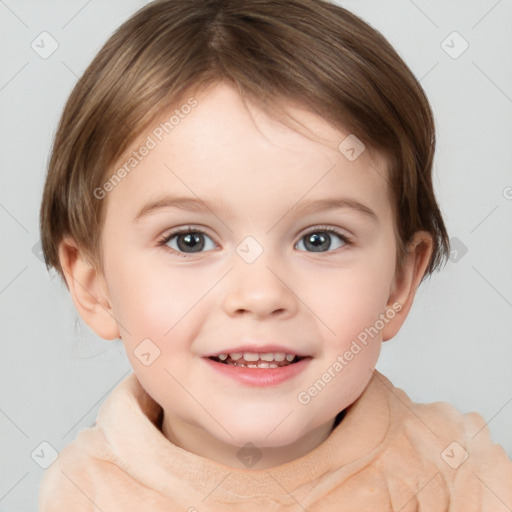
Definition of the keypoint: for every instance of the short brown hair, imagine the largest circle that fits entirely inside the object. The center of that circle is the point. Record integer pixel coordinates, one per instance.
(312, 52)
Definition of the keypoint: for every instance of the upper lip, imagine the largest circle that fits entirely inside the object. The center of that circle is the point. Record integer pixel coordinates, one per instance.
(258, 349)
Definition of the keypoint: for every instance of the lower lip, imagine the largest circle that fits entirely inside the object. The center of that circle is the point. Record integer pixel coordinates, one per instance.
(260, 376)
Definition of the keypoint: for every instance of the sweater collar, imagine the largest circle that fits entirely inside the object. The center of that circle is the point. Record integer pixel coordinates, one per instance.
(129, 420)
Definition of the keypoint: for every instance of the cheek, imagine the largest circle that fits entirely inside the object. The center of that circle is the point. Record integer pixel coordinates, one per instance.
(158, 302)
(147, 304)
(349, 299)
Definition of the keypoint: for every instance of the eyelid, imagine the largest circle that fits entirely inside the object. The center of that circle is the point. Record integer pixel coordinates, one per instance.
(163, 240)
(303, 232)
(330, 229)
(190, 228)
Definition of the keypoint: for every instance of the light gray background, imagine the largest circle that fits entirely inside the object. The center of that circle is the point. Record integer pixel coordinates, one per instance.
(455, 346)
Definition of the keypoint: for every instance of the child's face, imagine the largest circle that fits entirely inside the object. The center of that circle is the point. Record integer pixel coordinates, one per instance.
(311, 302)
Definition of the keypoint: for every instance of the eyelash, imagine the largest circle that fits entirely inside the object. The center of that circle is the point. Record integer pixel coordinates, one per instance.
(190, 229)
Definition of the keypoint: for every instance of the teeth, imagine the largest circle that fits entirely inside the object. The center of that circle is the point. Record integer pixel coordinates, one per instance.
(259, 365)
(253, 356)
(256, 359)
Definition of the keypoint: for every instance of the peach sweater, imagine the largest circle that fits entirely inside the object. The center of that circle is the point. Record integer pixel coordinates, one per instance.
(387, 454)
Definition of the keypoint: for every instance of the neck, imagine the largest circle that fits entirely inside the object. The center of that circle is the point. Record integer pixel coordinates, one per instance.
(200, 442)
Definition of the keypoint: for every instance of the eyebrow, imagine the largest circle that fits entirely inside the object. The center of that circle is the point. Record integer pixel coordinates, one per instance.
(199, 205)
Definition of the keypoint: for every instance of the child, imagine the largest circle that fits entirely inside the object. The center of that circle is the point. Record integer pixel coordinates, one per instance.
(241, 191)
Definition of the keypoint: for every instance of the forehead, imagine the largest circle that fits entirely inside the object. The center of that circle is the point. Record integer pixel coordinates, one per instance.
(239, 155)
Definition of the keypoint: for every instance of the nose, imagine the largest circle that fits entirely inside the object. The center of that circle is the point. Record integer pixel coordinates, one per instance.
(259, 289)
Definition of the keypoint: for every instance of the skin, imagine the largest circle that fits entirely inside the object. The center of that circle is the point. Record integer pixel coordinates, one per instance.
(317, 302)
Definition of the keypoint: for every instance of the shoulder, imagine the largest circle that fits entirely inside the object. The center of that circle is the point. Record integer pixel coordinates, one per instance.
(82, 476)
(455, 449)
(68, 483)
(441, 425)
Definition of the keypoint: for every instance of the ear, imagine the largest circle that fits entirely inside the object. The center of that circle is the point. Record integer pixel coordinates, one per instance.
(406, 282)
(88, 290)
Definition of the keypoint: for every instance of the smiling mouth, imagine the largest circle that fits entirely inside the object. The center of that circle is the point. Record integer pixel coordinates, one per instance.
(267, 362)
